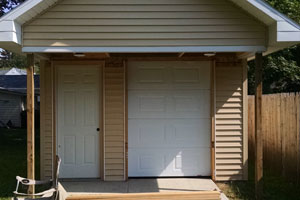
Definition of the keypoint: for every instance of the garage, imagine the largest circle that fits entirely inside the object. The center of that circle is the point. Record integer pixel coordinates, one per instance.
(169, 118)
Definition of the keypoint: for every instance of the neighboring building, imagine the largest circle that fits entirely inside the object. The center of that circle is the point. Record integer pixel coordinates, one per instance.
(13, 71)
(13, 98)
(145, 88)
(17, 83)
(11, 105)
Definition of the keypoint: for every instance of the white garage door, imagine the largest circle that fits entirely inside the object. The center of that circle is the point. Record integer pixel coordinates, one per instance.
(169, 124)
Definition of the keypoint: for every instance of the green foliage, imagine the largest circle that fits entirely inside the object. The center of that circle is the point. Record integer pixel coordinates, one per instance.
(9, 60)
(291, 8)
(281, 69)
(281, 72)
(6, 5)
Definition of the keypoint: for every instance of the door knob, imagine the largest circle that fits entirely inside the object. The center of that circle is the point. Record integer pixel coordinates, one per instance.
(98, 129)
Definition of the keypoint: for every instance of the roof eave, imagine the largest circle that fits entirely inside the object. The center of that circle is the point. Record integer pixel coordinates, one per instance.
(11, 23)
(283, 31)
(282, 35)
(10, 36)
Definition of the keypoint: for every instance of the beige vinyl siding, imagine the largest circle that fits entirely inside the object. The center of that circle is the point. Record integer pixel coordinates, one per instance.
(137, 23)
(114, 120)
(46, 129)
(230, 140)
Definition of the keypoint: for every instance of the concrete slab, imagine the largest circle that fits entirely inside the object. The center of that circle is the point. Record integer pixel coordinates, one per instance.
(94, 186)
(159, 185)
(170, 185)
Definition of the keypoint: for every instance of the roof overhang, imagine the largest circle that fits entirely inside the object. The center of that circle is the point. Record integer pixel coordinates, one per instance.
(10, 35)
(283, 32)
(11, 23)
(171, 49)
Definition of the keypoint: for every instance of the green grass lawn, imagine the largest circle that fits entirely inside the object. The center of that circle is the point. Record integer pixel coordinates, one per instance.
(13, 159)
(13, 162)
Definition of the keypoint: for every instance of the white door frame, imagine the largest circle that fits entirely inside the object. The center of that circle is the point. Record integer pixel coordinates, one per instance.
(100, 64)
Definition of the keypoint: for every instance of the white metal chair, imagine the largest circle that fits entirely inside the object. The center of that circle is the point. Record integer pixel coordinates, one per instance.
(50, 194)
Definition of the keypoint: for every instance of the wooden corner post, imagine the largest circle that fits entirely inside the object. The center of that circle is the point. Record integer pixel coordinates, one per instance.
(30, 120)
(258, 127)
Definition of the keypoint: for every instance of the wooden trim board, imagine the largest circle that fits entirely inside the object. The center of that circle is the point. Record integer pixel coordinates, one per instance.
(101, 122)
(30, 122)
(78, 62)
(126, 118)
(245, 119)
(42, 116)
(124, 121)
(54, 84)
(207, 195)
(213, 121)
(103, 119)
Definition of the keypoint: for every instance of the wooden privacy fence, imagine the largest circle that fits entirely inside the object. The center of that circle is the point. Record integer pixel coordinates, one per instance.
(280, 128)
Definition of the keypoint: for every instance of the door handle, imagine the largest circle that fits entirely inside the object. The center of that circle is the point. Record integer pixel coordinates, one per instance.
(98, 129)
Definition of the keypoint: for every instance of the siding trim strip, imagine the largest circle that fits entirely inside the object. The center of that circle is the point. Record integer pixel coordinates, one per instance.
(166, 49)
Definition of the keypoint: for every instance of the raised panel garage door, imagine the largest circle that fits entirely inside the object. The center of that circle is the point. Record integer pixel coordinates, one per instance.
(168, 118)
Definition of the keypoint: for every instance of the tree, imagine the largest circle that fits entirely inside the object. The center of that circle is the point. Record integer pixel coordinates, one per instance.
(7, 5)
(281, 69)
(291, 8)
(281, 72)
(7, 58)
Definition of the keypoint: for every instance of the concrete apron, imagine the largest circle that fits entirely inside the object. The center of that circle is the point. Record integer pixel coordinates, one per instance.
(161, 185)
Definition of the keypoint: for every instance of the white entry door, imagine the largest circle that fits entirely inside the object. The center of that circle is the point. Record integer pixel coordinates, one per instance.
(78, 120)
(169, 119)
